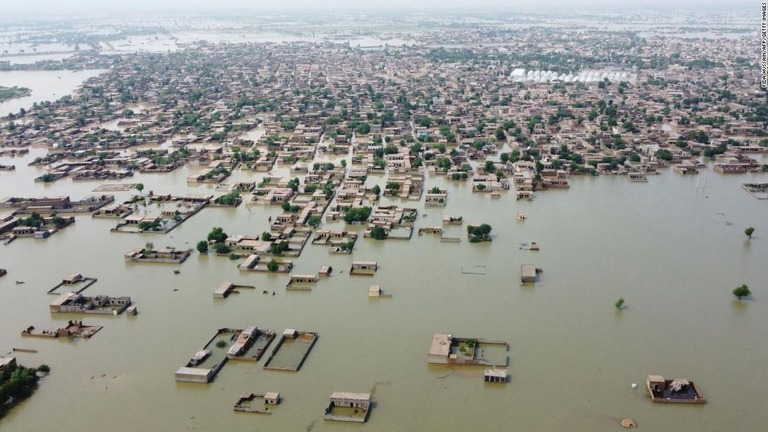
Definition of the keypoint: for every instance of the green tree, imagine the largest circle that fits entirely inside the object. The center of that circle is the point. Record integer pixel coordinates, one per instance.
(489, 167)
(444, 163)
(58, 221)
(749, 231)
(222, 248)
(272, 265)
(34, 220)
(742, 291)
(619, 303)
(279, 248)
(230, 199)
(217, 235)
(149, 225)
(17, 382)
(479, 233)
(378, 233)
(202, 246)
(286, 206)
(139, 187)
(359, 214)
(664, 154)
(314, 220)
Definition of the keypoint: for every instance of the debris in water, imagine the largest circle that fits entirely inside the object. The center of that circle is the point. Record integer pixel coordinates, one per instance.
(628, 423)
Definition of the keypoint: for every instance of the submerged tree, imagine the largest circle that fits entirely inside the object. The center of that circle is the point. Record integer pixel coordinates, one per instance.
(217, 235)
(479, 233)
(222, 248)
(742, 291)
(58, 221)
(749, 231)
(359, 214)
(272, 265)
(16, 383)
(619, 303)
(314, 220)
(378, 233)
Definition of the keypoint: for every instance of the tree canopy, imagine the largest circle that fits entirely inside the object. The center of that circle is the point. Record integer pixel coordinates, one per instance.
(17, 382)
(479, 233)
(359, 214)
(749, 231)
(217, 235)
(742, 291)
(378, 233)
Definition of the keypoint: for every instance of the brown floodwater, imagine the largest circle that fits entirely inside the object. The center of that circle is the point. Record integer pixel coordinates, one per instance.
(673, 248)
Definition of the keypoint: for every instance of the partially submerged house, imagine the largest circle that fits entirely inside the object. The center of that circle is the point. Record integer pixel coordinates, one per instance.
(248, 402)
(677, 390)
(367, 268)
(349, 407)
(495, 376)
(73, 302)
(291, 350)
(528, 273)
(447, 349)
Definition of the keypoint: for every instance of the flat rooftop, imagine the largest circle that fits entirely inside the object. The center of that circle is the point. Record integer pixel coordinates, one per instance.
(441, 345)
(528, 271)
(351, 396)
(199, 371)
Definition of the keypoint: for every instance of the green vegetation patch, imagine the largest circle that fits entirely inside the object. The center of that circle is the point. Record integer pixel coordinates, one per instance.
(8, 93)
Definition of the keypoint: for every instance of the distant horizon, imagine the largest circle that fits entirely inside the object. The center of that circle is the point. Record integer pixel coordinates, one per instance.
(83, 8)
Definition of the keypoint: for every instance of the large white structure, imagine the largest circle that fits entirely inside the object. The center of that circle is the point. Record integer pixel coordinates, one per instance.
(585, 76)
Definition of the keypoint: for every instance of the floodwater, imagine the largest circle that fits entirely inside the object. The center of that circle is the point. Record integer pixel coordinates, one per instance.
(673, 248)
(34, 58)
(45, 85)
(372, 42)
